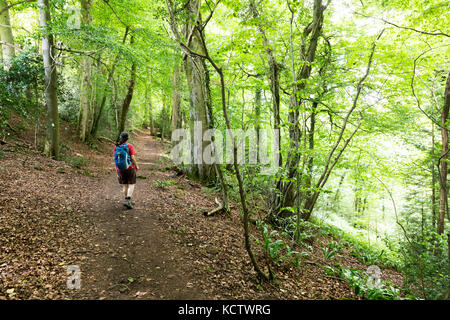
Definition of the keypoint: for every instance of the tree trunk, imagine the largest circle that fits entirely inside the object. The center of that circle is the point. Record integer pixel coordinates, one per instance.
(433, 181)
(85, 112)
(448, 257)
(197, 76)
(6, 36)
(205, 55)
(336, 195)
(443, 204)
(310, 163)
(176, 98)
(127, 101)
(51, 147)
(150, 114)
(288, 195)
(258, 92)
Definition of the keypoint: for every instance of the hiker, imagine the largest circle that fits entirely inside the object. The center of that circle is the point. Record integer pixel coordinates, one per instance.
(126, 166)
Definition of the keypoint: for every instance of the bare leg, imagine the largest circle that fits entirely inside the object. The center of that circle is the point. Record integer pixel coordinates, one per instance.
(125, 189)
(130, 190)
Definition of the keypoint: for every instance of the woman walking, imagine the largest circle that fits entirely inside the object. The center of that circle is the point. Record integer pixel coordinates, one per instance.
(126, 166)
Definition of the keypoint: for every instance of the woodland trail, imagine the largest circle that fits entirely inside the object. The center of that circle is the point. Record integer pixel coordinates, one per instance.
(57, 214)
(135, 256)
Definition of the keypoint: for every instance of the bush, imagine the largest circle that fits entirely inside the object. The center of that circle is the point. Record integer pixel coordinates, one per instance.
(359, 281)
(18, 84)
(426, 264)
(367, 253)
(163, 184)
(76, 162)
(275, 248)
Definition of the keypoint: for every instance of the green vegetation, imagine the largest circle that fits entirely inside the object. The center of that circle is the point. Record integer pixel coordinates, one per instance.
(358, 281)
(359, 92)
(76, 162)
(163, 184)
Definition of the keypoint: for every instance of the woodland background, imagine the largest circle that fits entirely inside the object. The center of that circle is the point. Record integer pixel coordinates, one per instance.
(360, 91)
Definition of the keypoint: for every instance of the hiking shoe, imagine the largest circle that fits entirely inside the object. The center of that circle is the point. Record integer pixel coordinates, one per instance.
(129, 204)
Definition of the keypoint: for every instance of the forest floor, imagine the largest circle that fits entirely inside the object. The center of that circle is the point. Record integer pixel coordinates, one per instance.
(54, 214)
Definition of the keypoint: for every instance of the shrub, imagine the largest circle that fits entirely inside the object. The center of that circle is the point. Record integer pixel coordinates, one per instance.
(358, 280)
(76, 162)
(18, 84)
(425, 265)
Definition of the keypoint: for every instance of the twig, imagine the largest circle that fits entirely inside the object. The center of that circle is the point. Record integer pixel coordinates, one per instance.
(14, 4)
(406, 28)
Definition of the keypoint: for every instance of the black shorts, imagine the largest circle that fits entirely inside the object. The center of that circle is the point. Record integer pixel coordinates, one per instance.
(127, 176)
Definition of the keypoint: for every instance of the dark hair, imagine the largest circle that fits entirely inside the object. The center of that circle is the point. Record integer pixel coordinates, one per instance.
(123, 137)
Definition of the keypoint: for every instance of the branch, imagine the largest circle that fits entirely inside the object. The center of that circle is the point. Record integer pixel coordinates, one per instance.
(89, 54)
(11, 45)
(115, 13)
(15, 4)
(210, 14)
(248, 74)
(194, 25)
(406, 28)
(355, 102)
(414, 92)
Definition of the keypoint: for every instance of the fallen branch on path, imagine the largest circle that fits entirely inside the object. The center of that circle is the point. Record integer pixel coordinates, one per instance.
(216, 210)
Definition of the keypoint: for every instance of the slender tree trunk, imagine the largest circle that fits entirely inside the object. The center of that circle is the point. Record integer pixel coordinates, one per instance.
(85, 113)
(6, 36)
(443, 204)
(310, 163)
(176, 98)
(448, 257)
(258, 92)
(51, 146)
(337, 194)
(150, 111)
(330, 164)
(274, 84)
(127, 101)
(433, 181)
(288, 196)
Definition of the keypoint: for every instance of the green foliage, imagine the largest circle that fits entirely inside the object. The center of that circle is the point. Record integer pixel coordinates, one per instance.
(76, 162)
(308, 230)
(163, 184)
(69, 101)
(359, 283)
(361, 249)
(3, 154)
(331, 250)
(18, 84)
(393, 142)
(275, 248)
(426, 265)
